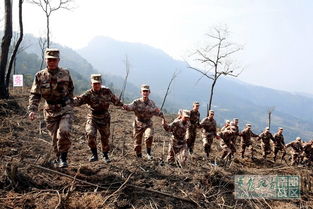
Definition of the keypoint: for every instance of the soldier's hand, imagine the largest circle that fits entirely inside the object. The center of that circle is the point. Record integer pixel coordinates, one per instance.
(163, 121)
(157, 109)
(124, 107)
(32, 115)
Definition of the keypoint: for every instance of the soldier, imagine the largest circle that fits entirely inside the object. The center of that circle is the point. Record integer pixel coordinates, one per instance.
(296, 150)
(55, 86)
(307, 156)
(194, 124)
(246, 135)
(208, 125)
(226, 125)
(234, 125)
(144, 109)
(279, 144)
(226, 143)
(178, 128)
(98, 99)
(266, 138)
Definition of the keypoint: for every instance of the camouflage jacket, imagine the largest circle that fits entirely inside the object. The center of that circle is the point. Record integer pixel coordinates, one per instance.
(266, 138)
(236, 128)
(144, 111)
(56, 87)
(98, 102)
(246, 135)
(194, 119)
(178, 129)
(208, 126)
(308, 149)
(279, 140)
(296, 147)
(227, 136)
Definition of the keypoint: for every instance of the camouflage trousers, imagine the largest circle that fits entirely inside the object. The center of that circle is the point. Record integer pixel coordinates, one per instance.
(266, 149)
(228, 149)
(295, 158)
(140, 132)
(277, 149)
(179, 151)
(207, 140)
(59, 129)
(191, 137)
(245, 145)
(103, 126)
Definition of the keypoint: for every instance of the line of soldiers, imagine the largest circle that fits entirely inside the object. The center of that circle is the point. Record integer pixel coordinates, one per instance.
(55, 86)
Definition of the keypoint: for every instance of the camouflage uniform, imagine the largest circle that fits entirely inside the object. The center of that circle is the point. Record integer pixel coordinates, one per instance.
(296, 151)
(226, 143)
(56, 88)
(192, 130)
(279, 145)
(208, 133)
(178, 128)
(266, 143)
(307, 157)
(246, 135)
(143, 126)
(99, 117)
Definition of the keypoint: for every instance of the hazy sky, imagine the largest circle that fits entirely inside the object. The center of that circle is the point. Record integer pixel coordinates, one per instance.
(276, 34)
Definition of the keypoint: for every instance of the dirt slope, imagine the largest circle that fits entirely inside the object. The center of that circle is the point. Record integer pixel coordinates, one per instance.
(126, 182)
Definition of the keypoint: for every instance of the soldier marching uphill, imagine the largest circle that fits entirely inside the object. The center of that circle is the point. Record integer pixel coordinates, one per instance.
(55, 86)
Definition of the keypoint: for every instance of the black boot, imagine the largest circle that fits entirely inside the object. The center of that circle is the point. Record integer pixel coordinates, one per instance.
(149, 156)
(139, 155)
(190, 150)
(63, 160)
(94, 156)
(106, 157)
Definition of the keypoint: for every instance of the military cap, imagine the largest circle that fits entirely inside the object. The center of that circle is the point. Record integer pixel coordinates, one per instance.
(95, 78)
(180, 112)
(280, 128)
(52, 53)
(227, 121)
(235, 119)
(196, 103)
(211, 111)
(248, 125)
(298, 139)
(267, 128)
(145, 87)
(186, 113)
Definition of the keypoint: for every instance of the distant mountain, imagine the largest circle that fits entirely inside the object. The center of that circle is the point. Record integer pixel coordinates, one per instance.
(232, 98)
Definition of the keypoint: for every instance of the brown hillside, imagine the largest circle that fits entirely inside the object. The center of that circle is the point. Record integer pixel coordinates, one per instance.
(26, 182)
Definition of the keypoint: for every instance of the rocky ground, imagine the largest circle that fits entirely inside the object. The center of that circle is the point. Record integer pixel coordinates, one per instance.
(29, 180)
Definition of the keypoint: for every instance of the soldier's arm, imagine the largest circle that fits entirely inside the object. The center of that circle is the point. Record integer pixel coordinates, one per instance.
(130, 107)
(115, 100)
(202, 123)
(80, 100)
(35, 95)
(70, 87)
(168, 127)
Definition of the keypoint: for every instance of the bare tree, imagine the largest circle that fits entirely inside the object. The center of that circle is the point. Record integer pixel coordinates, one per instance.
(50, 6)
(16, 46)
(214, 59)
(168, 88)
(269, 112)
(5, 47)
(42, 45)
(127, 67)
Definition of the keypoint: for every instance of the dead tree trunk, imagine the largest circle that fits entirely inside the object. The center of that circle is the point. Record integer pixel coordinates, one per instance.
(12, 59)
(5, 46)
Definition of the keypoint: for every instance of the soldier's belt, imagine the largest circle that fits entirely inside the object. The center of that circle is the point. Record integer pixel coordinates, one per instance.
(143, 120)
(99, 112)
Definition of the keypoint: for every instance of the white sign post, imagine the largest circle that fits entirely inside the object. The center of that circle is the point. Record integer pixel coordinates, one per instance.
(18, 81)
